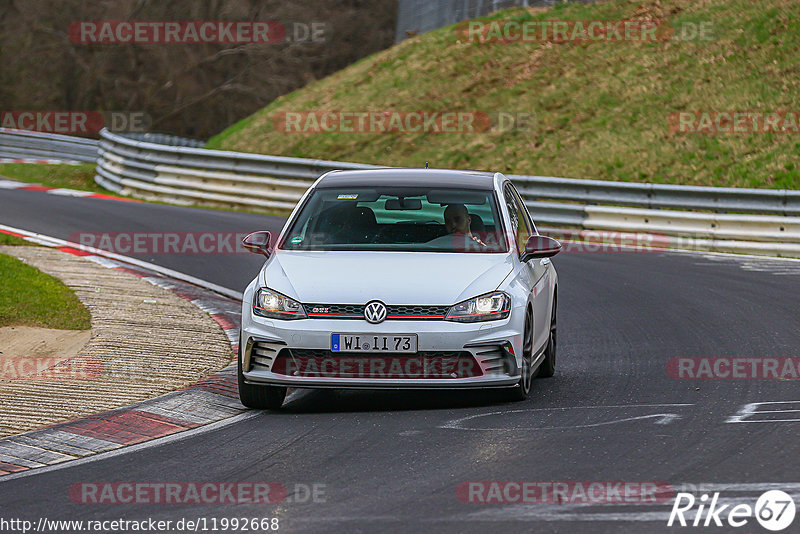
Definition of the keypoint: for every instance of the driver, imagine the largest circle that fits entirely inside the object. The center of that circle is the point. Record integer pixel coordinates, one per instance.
(457, 221)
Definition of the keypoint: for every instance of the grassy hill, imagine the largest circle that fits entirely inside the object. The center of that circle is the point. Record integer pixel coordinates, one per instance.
(597, 109)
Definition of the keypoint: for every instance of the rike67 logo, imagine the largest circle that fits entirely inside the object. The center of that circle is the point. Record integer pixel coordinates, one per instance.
(774, 510)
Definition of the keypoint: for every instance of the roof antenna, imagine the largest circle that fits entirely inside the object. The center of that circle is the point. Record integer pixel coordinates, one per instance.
(426, 164)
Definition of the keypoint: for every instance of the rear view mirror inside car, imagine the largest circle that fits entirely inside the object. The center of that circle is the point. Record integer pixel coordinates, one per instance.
(403, 204)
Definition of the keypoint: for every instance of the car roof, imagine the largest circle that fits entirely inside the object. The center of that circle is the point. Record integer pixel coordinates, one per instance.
(409, 177)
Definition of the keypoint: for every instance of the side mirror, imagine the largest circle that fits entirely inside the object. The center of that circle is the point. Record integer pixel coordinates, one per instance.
(258, 243)
(539, 246)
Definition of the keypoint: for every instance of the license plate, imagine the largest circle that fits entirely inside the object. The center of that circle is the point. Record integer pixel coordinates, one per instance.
(373, 343)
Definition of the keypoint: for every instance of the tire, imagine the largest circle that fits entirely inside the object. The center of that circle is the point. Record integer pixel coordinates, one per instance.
(548, 367)
(258, 397)
(522, 389)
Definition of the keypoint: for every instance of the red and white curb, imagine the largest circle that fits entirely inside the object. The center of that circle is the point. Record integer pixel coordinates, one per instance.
(208, 401)
(12, 184)
(40, 161)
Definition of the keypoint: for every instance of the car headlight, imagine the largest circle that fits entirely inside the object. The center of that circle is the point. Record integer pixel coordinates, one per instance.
(488, 307)
(269, 303)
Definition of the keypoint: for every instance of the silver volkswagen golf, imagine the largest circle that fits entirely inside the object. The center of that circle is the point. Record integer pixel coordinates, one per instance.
(400, 278)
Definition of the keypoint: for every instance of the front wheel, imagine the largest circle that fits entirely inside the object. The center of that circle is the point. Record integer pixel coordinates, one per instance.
(548, 367)
(258, 397)
(523, 387)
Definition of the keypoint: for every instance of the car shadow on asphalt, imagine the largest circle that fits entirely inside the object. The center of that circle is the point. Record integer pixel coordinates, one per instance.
(329, 400)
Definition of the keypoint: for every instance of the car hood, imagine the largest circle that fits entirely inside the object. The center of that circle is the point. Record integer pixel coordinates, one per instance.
(427, 278)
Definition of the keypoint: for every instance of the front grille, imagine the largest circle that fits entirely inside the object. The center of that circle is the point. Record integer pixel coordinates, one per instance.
(416, 312)
(329, 364)
(356, 311)
(334, 311)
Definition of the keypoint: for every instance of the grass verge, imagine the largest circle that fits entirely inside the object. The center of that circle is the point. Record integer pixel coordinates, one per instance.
(7, 239)
(54, 175)
(32, 298)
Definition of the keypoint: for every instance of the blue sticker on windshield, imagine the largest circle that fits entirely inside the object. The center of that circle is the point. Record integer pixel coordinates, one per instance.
(296, 240)
(348, 196)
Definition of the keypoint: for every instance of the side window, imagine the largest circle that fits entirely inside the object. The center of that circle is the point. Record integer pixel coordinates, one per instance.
(524, 209)
(520, 224)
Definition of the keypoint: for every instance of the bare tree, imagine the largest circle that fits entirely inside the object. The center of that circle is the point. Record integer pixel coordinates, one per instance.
(188, 89)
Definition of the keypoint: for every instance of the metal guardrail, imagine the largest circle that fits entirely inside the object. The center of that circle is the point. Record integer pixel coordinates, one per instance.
(275, 183)
(760, 221)
(646, 195)
(166, 139)
(23, 144)
(216, 171)
(188, 175)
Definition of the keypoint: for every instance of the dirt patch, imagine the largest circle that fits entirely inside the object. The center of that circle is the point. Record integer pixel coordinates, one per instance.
(35, 353)
(34, 342)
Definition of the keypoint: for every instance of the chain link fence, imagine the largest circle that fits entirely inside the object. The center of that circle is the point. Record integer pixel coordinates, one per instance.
(420, 16)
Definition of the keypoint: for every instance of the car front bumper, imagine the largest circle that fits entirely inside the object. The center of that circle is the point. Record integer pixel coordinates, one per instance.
(494, 346)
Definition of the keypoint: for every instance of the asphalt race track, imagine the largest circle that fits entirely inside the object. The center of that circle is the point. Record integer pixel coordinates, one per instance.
(393, 461)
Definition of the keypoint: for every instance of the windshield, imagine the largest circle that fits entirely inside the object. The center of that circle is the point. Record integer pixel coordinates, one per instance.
(398, 219)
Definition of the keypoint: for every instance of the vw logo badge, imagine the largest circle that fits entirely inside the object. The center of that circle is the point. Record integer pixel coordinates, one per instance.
(375, 312)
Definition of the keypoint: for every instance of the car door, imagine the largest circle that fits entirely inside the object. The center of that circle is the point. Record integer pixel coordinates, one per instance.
(535, 273)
